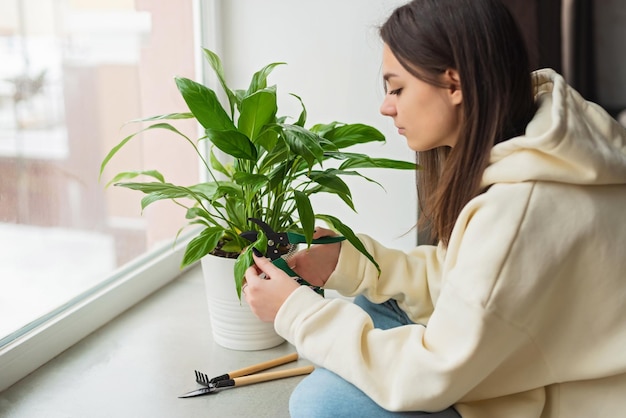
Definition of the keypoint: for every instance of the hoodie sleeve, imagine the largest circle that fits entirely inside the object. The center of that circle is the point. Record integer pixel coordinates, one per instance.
(414, 367)
(412, 279)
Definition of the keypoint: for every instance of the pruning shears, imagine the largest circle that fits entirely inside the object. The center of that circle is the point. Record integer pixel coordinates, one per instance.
(279, 244)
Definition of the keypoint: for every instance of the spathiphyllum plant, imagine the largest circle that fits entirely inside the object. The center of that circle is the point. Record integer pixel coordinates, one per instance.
(275, 165)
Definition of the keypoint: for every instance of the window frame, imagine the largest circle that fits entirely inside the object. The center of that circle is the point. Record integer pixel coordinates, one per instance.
(23, 351)
(50, 335)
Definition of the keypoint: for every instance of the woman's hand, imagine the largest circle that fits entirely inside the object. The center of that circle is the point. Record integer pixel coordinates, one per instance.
(266, 295)
(316, 263)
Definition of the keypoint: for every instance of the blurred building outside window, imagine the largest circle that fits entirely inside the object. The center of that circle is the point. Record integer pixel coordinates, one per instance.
(72, 73)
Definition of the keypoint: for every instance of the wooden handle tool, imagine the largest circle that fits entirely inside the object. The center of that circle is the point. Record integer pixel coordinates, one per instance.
(264, 366)
(264, 377)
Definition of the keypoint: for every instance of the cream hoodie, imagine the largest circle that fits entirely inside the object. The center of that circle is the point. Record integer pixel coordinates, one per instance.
(525, 311)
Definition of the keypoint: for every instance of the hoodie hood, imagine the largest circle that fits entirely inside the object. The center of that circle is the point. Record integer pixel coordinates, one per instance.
(569, 140)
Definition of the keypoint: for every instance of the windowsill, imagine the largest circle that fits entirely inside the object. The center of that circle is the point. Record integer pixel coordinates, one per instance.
(138, 364)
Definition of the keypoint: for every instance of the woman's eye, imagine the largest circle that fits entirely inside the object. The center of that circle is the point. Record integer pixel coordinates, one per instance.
(395, 92)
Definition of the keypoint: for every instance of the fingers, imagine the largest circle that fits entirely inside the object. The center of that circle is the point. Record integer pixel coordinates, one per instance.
(262, 269)
(265, 265)
(323, 232)
(265, 297)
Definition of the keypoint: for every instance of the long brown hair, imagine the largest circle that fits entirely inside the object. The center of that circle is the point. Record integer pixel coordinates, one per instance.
(481, 41)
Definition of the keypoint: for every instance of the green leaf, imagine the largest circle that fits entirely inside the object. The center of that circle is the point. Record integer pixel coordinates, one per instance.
(240, 95)
(322, 129)
(330, 180)
(337, 172)
(278, 176)
(259, 79)
(151, 198)
(160, 191)
(348, 135)
(236, 212)
(233, 143)
(363, 161)
(216, 64)
(217, 165)
(267, 138)
(202, 245)
(256, 111)
(165, 126)
(254, 181)
(303, 143)
(197, 212)
(172, 191)
(305, 212)
(277, 155)
(201, 222)
(333, 184)
(127, 175)
(152, 187)
(204, 105)
(245, 260)
(232, 246)
(206, 189)
(228, 189)
(123, 142)
(169, 116)
(350, 236)
(302, 118)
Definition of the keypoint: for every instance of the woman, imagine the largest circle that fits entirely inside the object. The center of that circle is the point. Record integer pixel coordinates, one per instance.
(519, 310)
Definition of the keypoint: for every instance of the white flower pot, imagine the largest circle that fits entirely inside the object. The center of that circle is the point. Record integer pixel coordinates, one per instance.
(232, 321)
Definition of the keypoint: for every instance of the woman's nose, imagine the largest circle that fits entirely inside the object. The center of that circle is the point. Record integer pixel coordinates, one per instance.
(387, 108)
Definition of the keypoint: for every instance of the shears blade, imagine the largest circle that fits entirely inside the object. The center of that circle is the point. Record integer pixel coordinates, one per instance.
(198, 392)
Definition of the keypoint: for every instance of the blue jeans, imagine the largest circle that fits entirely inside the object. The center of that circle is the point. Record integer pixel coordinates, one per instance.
(324, 394)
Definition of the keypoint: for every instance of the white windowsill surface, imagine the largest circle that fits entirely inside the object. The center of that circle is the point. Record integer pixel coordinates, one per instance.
(138, 364)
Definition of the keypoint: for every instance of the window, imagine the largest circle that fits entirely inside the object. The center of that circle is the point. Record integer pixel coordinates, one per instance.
(73, 73)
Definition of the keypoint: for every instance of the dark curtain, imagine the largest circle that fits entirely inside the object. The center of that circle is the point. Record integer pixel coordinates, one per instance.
(540, 22)
(583, 77)
(549, 34)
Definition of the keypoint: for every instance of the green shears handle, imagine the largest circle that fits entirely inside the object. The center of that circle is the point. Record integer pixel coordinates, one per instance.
(295, 238)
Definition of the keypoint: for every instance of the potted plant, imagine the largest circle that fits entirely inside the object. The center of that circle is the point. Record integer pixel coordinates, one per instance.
(275, 165)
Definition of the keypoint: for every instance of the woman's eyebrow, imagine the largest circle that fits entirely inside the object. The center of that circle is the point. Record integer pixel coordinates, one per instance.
(387, 76)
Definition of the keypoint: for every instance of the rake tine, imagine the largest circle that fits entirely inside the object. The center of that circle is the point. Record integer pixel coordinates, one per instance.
(202, 378)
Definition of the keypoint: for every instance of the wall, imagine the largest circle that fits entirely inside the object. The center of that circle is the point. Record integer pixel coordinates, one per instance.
(333, 54)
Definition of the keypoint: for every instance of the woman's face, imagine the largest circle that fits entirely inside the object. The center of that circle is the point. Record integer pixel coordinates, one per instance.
(428, 116)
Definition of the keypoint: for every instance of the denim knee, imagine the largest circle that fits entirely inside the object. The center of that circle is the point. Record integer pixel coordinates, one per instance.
(385, 315)
(324, 394)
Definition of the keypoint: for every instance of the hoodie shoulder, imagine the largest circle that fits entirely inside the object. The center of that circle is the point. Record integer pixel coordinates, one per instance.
(569, 140)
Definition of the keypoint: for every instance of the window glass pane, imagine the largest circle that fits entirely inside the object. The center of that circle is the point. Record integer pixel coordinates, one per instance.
(73, 73)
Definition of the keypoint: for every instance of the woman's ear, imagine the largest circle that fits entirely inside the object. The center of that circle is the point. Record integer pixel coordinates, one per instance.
(451, 77)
